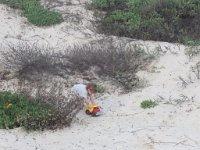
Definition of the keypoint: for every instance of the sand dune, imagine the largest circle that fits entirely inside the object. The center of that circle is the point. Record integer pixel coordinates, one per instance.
(172, 125)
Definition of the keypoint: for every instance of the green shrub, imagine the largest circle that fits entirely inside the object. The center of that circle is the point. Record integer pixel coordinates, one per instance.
(19, 111)
(35, 13)
(148, 104)
(163, 20)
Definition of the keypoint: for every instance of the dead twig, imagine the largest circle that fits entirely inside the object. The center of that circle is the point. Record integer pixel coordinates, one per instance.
(184, 83)
(152, 141)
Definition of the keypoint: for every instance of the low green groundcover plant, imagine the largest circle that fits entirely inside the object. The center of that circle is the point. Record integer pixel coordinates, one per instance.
(35, 12)
(19, 111)
(162, 20)
(148, 104)
(100, 89)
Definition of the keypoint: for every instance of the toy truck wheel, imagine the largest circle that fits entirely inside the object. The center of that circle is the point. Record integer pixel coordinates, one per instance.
(87, 112)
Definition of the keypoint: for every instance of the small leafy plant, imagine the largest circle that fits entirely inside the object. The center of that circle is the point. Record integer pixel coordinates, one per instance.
(100, 89)
(148, 104)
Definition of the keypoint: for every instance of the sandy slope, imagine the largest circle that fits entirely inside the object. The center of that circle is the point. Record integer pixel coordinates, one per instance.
(70, 32)
(125, 126)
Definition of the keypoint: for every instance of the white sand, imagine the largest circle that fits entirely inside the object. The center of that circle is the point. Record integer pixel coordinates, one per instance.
(125, 126)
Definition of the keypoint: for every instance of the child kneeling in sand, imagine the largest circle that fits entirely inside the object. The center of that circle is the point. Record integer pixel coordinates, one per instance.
(86, 92)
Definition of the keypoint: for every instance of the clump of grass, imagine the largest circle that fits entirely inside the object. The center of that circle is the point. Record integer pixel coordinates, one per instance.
(19, 111)
(148, 104)
(35, 12)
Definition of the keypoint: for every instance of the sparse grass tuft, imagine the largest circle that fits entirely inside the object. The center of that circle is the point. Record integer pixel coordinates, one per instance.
(129, 81)
(148, 104)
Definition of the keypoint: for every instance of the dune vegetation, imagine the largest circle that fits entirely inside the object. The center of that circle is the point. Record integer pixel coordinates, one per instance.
(160, 20)
(35, 12)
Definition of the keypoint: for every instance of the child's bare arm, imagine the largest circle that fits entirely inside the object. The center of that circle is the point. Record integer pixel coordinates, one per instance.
(92, 100)
(86, 101)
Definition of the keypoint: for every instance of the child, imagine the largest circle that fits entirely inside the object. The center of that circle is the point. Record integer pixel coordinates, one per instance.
(86, 92)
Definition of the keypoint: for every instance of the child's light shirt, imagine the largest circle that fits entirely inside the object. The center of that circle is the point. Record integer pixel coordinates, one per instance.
(80, 89)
